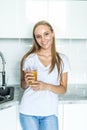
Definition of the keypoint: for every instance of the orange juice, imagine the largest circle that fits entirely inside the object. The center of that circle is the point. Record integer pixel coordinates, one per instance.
(34, 72)
(35, 75)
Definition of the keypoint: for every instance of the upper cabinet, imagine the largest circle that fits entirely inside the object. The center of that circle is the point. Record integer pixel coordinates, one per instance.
(31, 11)
(76, 19)
(68, 18)
(8, 19)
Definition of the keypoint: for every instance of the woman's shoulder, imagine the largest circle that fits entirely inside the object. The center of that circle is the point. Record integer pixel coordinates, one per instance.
(62, 55)
(31, 56)
(66, 62)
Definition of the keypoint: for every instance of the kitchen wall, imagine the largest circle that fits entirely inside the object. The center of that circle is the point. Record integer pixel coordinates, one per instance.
(75, 49)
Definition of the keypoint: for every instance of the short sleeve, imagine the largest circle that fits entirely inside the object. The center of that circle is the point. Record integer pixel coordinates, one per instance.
(29, 62)
(66, 63)
(26, 64)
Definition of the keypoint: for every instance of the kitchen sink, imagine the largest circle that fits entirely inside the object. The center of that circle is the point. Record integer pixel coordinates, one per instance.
(6, 94)
(1, 98)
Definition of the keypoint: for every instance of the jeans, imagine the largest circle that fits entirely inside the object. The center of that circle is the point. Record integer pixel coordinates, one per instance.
(29, 122)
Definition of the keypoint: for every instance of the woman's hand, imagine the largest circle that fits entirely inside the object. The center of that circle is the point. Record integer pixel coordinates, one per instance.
(29, 77)
(38, 85)
(35, 85)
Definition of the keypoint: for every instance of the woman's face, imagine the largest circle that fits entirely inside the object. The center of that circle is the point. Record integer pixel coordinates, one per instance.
(44, 36)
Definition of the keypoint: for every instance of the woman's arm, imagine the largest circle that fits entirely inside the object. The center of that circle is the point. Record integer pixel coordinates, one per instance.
(23, 81)
(61, 89)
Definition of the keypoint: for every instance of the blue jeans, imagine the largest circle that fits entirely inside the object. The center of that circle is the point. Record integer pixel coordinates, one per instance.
(38, 122)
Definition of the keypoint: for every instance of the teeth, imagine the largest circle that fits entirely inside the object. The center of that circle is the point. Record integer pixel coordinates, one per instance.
(45, 43)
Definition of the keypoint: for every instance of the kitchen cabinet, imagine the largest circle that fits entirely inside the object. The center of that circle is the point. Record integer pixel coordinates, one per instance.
(75, 117)
(60, 116)
(76, 19)
(29, 13)
(68, 18)
(8, 118)
(18, 120)
(8, 19)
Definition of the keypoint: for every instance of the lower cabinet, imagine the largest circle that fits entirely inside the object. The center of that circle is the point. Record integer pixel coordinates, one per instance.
(75, 117)
(60, 116)
(8, 118)
(18, 120)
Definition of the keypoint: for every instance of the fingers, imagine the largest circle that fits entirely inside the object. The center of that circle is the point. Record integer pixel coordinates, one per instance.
(29, 77)
(38, 85)
(35, 85)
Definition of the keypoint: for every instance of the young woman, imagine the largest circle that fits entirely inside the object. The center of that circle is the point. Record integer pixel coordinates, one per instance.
(39, 104)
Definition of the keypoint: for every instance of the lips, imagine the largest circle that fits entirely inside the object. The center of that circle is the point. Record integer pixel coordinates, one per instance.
(45, 43)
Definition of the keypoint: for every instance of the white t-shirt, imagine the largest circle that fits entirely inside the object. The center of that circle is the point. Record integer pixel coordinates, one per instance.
(44, 102)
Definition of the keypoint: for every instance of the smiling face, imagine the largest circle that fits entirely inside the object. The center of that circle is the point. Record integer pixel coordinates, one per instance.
(44, 36)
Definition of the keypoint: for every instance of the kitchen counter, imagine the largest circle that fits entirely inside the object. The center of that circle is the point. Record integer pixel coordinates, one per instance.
(76, 93)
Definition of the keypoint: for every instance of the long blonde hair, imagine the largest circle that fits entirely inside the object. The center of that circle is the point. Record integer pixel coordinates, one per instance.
(56, 60)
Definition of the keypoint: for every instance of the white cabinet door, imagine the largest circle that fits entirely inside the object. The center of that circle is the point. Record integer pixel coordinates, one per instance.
(60, 116)
(29, 13)
(69, 18)
(77, 19)
(75, 117)
(57, 16)
(8, 118)
(18, 120)
(8, 19)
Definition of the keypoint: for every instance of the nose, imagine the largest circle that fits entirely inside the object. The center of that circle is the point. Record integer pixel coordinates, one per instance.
(42, 38)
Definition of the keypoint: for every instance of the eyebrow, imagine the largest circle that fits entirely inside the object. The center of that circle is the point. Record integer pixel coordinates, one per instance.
(40, 34)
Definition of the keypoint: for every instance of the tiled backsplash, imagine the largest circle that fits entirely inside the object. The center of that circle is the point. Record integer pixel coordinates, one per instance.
(14, 49)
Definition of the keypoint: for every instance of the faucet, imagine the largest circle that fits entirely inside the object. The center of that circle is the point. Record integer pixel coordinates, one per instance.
(3, 70)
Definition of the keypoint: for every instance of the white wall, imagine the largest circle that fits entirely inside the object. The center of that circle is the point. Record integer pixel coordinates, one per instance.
(14, 49)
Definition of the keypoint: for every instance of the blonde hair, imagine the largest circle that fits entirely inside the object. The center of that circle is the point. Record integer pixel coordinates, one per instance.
(56, 60)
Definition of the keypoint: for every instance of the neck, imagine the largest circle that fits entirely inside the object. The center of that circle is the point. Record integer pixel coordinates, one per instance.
(44, 52)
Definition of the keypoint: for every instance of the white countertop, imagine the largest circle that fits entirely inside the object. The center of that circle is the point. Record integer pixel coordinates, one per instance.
(76, 93)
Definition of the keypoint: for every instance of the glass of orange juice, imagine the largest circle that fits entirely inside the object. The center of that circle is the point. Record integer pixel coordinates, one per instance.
(34, 72)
